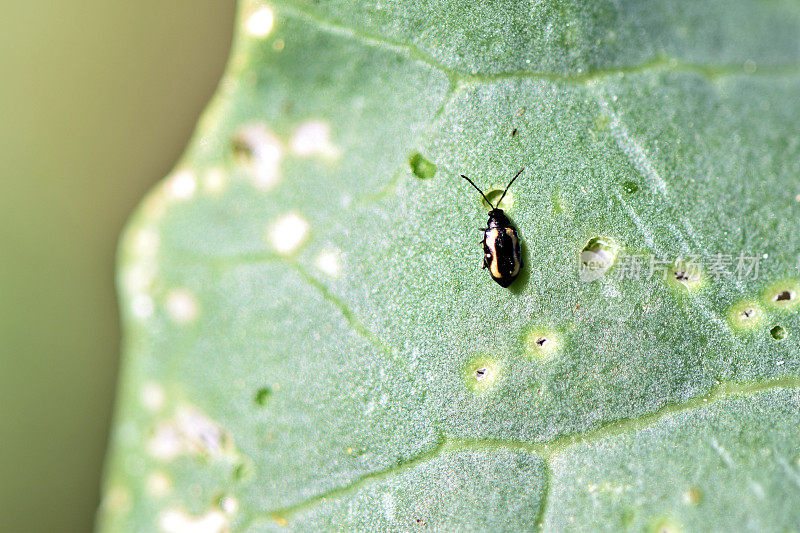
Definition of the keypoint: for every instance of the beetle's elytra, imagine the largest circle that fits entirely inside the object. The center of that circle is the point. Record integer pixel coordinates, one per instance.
(501, 251)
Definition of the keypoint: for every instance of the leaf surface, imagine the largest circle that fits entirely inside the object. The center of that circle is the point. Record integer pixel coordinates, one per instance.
(310, 342)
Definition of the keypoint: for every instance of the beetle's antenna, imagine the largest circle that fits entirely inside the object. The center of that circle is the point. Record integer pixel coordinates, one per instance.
(509, 185)
(480, 191)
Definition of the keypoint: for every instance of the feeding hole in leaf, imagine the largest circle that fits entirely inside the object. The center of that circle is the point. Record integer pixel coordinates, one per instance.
(693, 496)
(262, 396)
(190, 432)
(116, 500)
(328, 261)
(778, 333)
(243, 470)
(259, 151)
(229, 504)
(666, 526)
(596, 257)
(685, 274)
(260, 22)
(181, 185)
(542, 344)
(421, 167)
(314, 138)
(182, 306)
(152, 396)
(481, 374)
(178, 520)
(494, 195)
(630, 187)
(243, 147)
(287, 233)
(158, 484)
(745, 316)
(782, 296)
(214, 180)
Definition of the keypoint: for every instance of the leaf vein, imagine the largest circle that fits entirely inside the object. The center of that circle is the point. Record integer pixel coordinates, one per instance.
(457, 77)
(546, 450)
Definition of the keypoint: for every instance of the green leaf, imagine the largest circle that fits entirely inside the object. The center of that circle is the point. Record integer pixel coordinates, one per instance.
(310, 342)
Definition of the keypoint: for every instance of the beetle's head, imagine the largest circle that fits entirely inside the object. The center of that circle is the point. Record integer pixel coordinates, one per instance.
(497, 218)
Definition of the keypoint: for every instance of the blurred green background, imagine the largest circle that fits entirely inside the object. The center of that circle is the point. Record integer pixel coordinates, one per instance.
(97, 101)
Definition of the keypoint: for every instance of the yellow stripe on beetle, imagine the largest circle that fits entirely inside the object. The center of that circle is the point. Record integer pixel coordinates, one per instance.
(490, 240)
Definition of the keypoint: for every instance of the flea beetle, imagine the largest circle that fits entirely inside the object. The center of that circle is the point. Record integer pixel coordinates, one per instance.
(500, 241)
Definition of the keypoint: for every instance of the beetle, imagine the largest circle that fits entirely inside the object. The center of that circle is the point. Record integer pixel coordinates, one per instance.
(501, 251)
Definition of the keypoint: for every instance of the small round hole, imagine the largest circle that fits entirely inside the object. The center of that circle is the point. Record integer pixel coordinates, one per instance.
(630, 187)
(482, 374)
(686, 274)
(243, 470)
(421, 167)
(745, 316)
(494, 195)
(596, 257)
(242, 149)
(778, 333)
(693, 496)
(255, 148)
(262, 396)
(542, 344)
(783, 296)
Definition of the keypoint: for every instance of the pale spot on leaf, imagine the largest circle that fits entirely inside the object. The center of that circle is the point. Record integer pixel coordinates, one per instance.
(190, 432)
(387, 502)
(142, 306)
(145, 242)
(329, 263)
(482, 374)
(182, 306)
(116, 500)
(214, 180)
(165, 444)
(158, 484)
(287, 233)
(182, 185)
(313, 138)
(178, 521)
(152, 396)
(260, 151)
(260, 22)
(229, 505)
